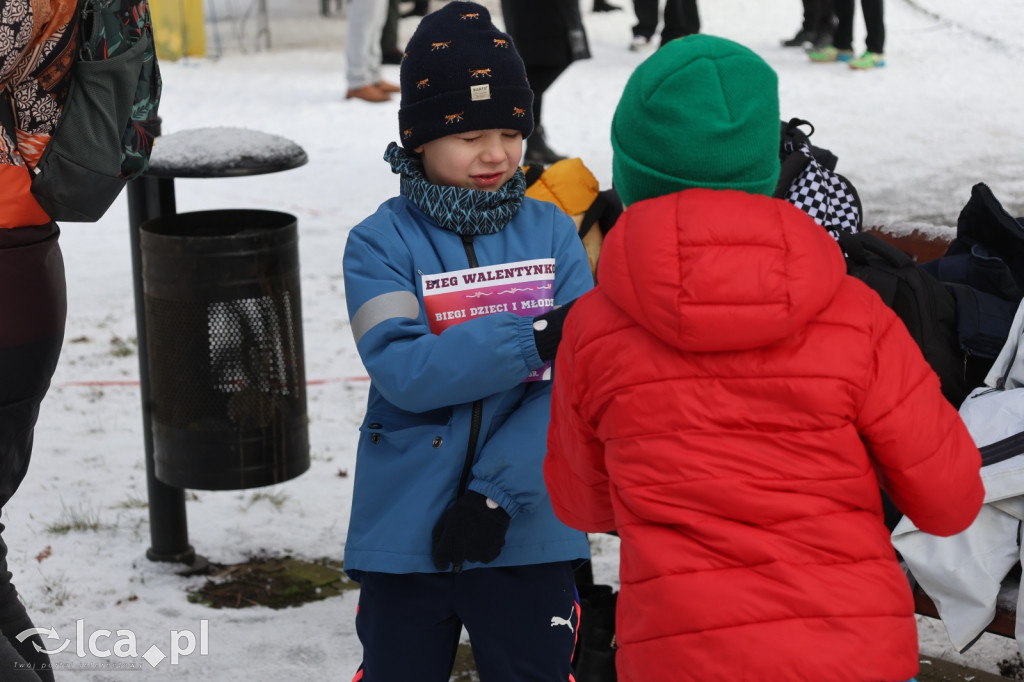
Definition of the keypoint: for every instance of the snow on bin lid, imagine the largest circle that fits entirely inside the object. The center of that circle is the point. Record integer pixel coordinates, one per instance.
(222, 152)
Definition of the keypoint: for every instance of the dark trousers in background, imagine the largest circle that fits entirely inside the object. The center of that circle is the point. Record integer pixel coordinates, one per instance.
(521, 620)
(33, 308)
(681, 19)
(389, 35)
(819, 16)
(541, 78)
(874, 22)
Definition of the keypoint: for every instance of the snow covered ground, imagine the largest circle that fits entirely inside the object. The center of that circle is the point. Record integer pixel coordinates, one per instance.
(914, 137)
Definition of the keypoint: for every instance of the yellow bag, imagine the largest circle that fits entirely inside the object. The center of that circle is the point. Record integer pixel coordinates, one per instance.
(571, 186)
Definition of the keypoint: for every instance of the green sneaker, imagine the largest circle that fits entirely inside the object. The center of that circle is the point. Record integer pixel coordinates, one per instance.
(830, 54)
(868, 60)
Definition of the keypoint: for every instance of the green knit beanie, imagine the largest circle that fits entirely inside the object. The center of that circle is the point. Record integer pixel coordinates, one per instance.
(701, 111)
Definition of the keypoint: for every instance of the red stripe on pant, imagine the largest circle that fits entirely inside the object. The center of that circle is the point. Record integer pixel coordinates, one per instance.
(576, 635)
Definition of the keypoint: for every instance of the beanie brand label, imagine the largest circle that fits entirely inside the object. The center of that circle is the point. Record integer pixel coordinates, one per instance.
(479, 92)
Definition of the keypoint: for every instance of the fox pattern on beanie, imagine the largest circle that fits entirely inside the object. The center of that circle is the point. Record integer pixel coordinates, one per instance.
(459, 74)
(701, 111)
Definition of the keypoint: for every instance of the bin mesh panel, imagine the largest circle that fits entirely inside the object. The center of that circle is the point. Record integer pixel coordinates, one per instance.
(224, 364)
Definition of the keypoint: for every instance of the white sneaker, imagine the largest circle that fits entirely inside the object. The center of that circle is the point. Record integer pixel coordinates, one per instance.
(639, 43)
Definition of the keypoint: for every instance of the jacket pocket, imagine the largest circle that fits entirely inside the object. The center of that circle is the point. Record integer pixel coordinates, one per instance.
(407, 473)
(405, 431)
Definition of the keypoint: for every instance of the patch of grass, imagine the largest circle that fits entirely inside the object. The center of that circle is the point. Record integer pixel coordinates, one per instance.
(57, 590)
(276, 499)
(75, 520)
(276, 582)
(464, 669)
(316, 456)
(132, 502)
(120, 348)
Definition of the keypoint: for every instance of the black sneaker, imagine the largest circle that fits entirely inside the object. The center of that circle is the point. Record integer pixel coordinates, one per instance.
(802, 39)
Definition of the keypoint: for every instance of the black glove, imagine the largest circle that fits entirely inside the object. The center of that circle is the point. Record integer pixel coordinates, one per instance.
(469, 531)
(547, 331)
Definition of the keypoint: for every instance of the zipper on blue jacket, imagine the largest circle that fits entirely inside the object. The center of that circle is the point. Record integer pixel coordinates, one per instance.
(478, 405)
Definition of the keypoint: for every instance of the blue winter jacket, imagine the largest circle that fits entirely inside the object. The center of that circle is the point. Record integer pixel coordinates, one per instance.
(414, 440)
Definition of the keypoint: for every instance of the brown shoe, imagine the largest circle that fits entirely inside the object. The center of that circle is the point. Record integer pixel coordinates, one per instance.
(387, 87)
(369, 93)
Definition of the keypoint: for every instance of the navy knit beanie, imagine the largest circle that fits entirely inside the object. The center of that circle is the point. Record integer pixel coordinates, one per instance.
(460, 73)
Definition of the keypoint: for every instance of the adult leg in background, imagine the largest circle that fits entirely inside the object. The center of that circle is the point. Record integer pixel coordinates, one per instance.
(646, 18)
(33, 310)
(391, 53)
(541, 78)
(823, 23)
(549, 35)
(681, 19)
(537, 149)
(843, 38)
(362, 49)
(810, 15)
(522, 621)
(823, 18)
(691, 17)
(874, 20)
(807, 32)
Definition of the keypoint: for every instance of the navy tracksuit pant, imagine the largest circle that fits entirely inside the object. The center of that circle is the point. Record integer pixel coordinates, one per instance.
(522, 623)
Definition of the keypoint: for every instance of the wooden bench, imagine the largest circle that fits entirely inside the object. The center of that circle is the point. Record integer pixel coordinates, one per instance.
(922, 247)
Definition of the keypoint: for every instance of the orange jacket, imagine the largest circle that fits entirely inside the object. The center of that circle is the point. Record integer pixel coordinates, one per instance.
(35, 70)
(729, 401)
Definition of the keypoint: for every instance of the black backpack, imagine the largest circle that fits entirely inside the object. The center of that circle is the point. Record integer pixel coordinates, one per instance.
(926, 308)
(983, 269)
(921, 301)
(809, 181)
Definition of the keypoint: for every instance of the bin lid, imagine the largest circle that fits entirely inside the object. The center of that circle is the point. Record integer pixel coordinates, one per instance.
(222, 152)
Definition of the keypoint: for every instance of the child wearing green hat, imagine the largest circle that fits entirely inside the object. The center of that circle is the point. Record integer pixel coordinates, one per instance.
(456, 291)
(731, 402)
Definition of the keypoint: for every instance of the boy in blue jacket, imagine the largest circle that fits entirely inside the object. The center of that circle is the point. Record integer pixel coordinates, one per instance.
(456, 291)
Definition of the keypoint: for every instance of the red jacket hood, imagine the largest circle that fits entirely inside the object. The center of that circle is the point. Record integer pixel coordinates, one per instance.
(718, 270)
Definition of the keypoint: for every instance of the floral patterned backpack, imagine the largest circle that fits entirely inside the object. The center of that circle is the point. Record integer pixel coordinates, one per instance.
(105, 134)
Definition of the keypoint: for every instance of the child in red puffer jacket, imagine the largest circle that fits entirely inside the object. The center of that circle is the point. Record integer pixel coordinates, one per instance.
(729, 401)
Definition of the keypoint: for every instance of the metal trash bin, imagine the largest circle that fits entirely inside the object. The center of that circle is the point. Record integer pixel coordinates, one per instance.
(224, 340)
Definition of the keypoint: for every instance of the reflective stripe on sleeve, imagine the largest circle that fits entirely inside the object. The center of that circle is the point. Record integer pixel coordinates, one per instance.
(384, 307)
